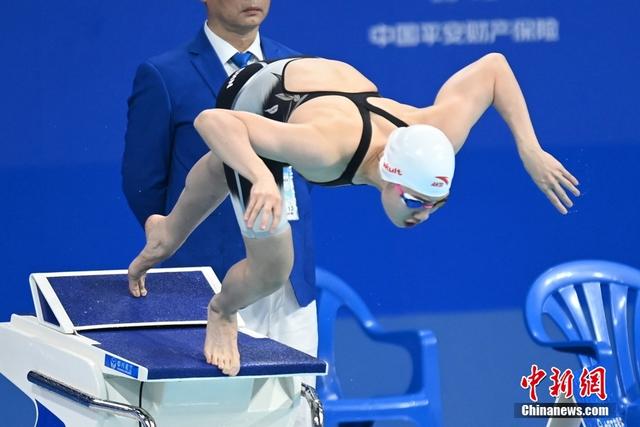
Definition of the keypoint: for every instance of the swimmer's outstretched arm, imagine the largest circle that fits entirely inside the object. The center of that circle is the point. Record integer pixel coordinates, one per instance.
(490, 82)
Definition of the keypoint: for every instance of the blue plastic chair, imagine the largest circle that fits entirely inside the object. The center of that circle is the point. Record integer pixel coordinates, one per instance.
(421, 404)
(596, 305)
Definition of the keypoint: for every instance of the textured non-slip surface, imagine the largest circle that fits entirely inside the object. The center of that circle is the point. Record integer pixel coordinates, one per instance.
(105, 299)
(177, 352)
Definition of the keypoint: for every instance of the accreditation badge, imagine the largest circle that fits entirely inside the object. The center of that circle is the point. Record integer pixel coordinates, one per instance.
(290, 202)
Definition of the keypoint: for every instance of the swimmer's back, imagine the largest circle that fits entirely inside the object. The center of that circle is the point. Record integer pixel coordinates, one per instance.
(318, 74)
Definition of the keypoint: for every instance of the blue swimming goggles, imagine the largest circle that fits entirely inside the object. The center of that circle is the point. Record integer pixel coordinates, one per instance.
(415, 203)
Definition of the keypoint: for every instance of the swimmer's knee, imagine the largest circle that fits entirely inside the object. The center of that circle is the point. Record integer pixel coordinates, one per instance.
(269, 287)
(273, 276)
(270, 276)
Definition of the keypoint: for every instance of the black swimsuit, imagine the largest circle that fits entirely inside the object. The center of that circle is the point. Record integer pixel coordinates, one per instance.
(259, 88)
(281, 103)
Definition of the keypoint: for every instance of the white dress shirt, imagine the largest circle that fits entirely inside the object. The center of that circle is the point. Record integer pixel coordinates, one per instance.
(225, 51)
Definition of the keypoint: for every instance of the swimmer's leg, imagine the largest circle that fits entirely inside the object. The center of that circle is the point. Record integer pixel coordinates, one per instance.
(205, 188)
(267, 267)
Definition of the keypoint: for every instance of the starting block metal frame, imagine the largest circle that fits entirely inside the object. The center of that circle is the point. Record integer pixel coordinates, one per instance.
(95, 356)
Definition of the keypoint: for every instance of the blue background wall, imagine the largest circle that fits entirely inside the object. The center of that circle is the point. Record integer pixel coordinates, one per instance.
(66, 73)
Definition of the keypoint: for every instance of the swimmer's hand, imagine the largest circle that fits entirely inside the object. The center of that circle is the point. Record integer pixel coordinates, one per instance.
(551, 177)
(265, 197)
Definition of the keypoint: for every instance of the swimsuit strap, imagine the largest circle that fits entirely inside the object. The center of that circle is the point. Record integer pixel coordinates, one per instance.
(384, 113)
(365, 109)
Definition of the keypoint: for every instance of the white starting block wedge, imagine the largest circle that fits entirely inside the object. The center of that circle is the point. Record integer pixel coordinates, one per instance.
(96, 357)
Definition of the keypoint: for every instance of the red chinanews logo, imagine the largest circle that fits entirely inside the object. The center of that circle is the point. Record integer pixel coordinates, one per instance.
(393, 170)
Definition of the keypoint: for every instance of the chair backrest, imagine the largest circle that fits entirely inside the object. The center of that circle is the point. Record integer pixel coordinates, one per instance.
(597, 302)
(333, 294)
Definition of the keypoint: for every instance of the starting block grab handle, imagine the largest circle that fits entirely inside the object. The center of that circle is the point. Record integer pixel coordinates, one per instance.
(114, 408)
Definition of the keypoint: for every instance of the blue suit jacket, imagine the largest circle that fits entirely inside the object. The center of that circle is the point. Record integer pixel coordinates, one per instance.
(161, 146)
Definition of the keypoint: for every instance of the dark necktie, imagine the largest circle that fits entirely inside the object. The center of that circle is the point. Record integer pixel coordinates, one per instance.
(241, 60)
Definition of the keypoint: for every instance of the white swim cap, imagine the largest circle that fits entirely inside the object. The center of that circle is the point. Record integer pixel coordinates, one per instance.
(421, 158)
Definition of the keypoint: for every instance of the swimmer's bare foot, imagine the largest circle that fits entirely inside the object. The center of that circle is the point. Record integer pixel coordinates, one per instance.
(158, 248)
(221, 343)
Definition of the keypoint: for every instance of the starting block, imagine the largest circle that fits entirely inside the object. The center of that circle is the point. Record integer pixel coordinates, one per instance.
(94, 356)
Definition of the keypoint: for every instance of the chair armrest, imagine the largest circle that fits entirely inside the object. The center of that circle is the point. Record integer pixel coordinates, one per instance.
(421, 344)
(401, 337)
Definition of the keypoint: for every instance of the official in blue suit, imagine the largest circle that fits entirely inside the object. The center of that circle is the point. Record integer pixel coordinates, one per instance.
(161, 146)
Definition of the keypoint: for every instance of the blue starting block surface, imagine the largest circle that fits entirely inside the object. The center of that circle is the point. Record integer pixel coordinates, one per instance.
(177, 352)
(105, 299)
(98, 300)
(163, 332)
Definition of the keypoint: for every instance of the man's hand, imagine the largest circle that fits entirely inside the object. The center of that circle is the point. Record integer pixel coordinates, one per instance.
(551, 177)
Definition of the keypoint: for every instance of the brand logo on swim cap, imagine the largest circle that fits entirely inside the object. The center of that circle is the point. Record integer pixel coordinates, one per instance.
(444, 179)
(391, 169)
